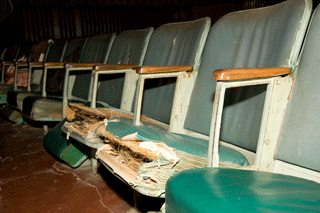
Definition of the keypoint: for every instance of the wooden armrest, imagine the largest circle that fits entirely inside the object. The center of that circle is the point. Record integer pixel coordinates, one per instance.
(248, 73)
(8, 62)
(36, 63)
(105, 67)
(53, 64)
(25, 63)
(75, 65)
(162, 69)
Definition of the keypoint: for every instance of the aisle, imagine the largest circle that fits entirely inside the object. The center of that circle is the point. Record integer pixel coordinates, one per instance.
(31, 180)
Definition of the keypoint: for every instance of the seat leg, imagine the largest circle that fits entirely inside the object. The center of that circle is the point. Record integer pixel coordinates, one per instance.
(94, 161)
(45, 129)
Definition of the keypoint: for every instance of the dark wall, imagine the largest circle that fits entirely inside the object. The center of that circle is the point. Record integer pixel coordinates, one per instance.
(33, 23)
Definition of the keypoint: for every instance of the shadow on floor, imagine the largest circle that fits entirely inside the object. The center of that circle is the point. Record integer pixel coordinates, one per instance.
(31, 180)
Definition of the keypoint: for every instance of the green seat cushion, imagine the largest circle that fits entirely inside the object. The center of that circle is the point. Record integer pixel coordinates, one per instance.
(75, 154)
(29, 103)
(42, 107)
(55, 141)
(229, 190)
(191, 145)
(3, 99)
(13, 99)
(4, 89)
(70, 151)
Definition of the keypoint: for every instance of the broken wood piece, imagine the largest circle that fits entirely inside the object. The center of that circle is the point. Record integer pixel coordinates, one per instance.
(83, 112)
(86, 120)
(143, 154)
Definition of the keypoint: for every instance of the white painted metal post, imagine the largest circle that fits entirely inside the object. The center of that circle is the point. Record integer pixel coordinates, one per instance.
(178, 95)
(130, 83)
(95, 77)
(138, 104)
(29, 78)
(264, 121)
(15, 86)
(90, 87)
(184, 86)
(65, 93)
(45, 73)
(265, 151)
(213, 152)
(2, 74)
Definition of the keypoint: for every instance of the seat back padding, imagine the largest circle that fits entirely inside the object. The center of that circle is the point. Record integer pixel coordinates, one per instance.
(171, 44)
(264, 37)
(129, 47)
(73, 50)
(299, 141)
(11, 53)
(56, 52)
(96, 50)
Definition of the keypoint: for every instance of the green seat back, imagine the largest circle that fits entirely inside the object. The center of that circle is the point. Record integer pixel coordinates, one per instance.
(129, 47)
(264, 37)
(73, 50)
(96, 50)
(11, 53)
(299, 141)
(56, 51)
(171, 44)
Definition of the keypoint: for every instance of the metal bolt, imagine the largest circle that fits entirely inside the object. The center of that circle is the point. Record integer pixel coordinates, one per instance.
(277, 82)
(266, 142)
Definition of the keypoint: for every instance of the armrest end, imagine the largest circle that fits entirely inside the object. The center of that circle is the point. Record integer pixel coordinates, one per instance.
(80, 65)
(105, 67)
(248, 73)
(8, 62)
(52, 64)
(35, 63)
(162, 69)
(22, 63)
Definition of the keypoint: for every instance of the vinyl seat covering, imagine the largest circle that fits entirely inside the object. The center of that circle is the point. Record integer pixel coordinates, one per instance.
(29, 103)
(262, 37)
(180, 142)
(228, 190)
(37, 106)
(13, 96)
(54, 53)
(56, 143)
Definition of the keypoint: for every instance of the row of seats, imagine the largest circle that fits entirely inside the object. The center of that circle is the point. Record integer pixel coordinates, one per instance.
(276, 33)
(21, 73)
(169, 45)
(10, 56)
(260, 112)
(289, 144)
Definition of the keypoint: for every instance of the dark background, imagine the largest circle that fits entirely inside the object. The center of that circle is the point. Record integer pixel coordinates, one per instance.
(32, 21)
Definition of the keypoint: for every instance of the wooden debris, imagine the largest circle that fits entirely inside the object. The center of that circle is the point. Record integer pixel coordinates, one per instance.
(70, 114)
(133, 146)
(81, 112)
(88, 122)
(86, 119)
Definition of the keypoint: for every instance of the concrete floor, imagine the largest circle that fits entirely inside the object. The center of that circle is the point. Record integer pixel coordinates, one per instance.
(31, 180)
